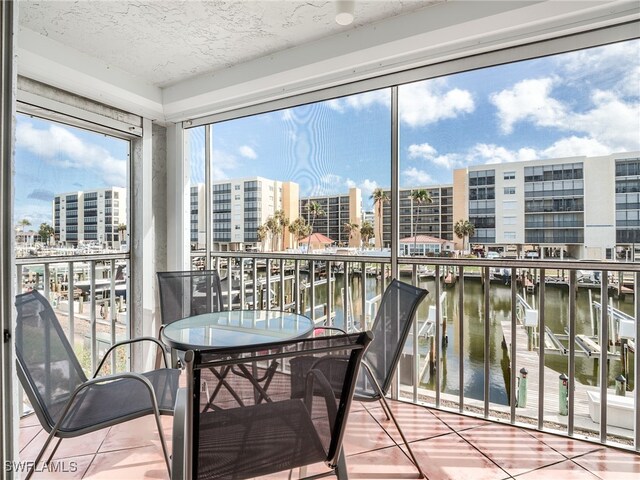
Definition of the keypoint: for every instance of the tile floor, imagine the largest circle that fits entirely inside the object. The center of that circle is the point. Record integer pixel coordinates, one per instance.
(448, 446)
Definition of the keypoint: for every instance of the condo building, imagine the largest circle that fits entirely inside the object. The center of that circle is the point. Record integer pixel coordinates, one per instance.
(90, 216)
(586, 207)
(434, 219)
(582, 207)
(239, 207)
(338, 211)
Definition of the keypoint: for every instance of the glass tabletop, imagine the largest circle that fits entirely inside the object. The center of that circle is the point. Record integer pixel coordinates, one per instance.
(237, 328)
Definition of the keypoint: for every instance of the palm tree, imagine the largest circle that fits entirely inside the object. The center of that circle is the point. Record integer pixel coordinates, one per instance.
(283, 223)
(350, 228)
(272, 226)
(299, 229)
(121, 229)
(366, 231)
(314, 210)
(419, 196)
(379, 197)
(463, 229)
(46, 232)
(261, 233)
(24, 223)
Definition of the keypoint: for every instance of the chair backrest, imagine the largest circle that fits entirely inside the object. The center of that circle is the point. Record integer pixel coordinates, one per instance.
(46, 363)
(189, 293)
(391, 328)
(245, 432)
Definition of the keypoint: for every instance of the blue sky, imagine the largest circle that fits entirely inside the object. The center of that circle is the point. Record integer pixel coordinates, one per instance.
(579, 103)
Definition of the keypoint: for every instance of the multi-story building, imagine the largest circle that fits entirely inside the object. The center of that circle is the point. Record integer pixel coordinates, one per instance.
(338, 211)
(197, 223)
(627, 187)
(554, 206)
(434, 219)
(90, 216)
(239, 207)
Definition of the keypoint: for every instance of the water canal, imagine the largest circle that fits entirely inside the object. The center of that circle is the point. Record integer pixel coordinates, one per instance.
(556, 317)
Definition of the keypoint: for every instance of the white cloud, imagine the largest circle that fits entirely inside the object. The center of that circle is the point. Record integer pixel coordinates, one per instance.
(490, 153)
(574, 147)
(287, 115)
(606, 58)
(608, 120)
(629, 85)
(247, 152)
(529, 100)
(367, 187)
(426, 152)
(612, 121)
(423, 103)
(449, 160)
(422, 151)
(413, 177)
(360, 101)
(420, 103)
(222, 163)
(61, 148)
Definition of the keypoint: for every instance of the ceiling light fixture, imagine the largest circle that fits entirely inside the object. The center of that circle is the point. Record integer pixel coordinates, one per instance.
(344, 11)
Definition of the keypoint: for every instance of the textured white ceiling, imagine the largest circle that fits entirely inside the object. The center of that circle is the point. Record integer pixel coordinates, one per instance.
(166, 41)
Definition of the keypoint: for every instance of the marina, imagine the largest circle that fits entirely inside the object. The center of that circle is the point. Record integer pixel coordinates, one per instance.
(339, 294)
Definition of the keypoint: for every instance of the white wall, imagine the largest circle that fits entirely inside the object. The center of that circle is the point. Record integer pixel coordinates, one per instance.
(599, 207)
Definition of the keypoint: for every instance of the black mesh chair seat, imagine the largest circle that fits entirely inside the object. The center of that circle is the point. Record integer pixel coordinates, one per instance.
(287, 429)
(104, 404)
(274, 436)
(67, 403)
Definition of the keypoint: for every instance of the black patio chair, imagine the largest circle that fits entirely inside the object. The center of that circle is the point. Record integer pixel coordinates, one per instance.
(283, 433)
(65, 401)
(390, 331)
(189, 293)
(186, 294)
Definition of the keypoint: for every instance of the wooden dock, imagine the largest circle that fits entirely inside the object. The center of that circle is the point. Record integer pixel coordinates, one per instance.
(529, 359)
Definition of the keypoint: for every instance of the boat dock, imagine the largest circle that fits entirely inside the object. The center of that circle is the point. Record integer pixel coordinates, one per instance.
(530, 359)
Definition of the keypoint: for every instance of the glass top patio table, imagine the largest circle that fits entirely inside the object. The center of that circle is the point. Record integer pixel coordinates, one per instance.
(236, 328)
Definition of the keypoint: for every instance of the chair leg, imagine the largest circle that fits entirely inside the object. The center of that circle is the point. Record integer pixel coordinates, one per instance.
(42, 450)
(162, 441)
(341, 467)
(53, 452)
(388, 412)
(404, 439)
(384, 408)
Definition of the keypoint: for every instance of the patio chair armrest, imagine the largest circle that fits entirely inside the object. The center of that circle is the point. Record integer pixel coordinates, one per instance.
(132, 340)
(329, 328)
(316, 375)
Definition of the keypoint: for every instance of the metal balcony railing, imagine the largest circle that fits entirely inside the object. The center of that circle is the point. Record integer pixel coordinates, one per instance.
(548, 314)
(89, 294)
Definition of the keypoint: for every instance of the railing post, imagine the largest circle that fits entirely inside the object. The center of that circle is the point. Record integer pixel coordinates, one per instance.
(461, 351)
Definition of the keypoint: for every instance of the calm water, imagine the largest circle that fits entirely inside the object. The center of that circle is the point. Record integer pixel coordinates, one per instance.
(556, 318)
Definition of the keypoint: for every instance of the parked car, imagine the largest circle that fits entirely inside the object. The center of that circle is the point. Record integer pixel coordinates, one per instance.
(492, 255)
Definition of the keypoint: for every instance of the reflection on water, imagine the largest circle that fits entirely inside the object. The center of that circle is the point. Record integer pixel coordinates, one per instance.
(556, 318)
